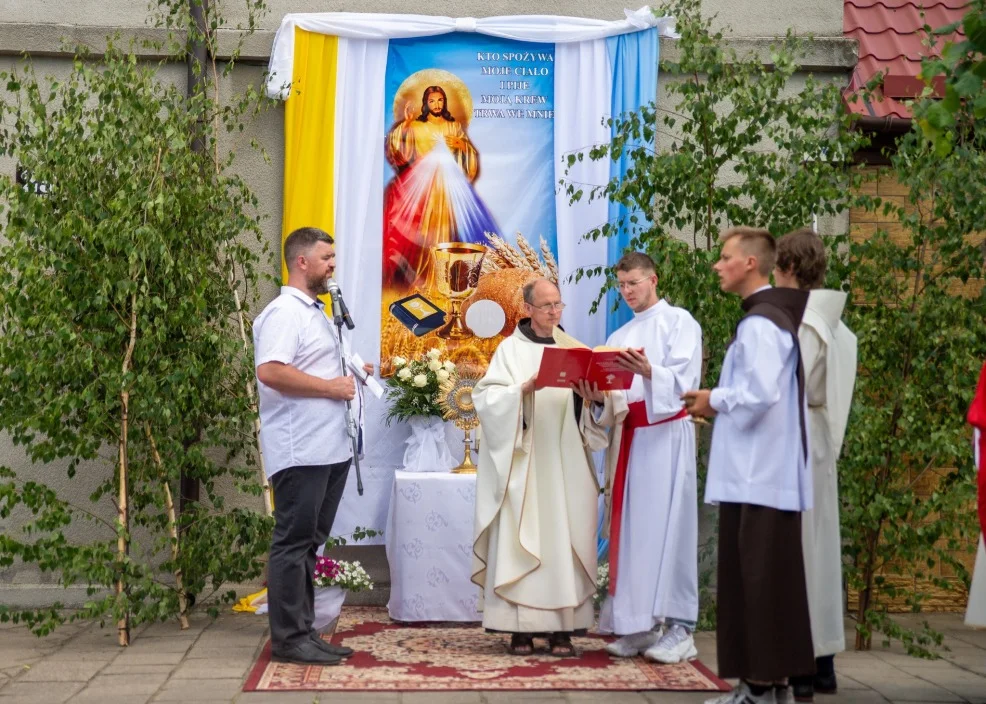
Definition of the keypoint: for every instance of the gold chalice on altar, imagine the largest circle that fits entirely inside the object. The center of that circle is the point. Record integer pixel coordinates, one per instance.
(455, 263)
(455, 399)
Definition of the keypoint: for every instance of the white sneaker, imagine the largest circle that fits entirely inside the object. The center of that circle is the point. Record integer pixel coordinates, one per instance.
(676, 645)
(742, 695)
(631, 645)
(783, 695)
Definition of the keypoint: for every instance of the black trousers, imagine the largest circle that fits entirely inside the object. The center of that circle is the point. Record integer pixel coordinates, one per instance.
(305, 503)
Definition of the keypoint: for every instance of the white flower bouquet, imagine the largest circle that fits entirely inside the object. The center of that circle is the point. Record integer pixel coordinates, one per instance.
(413, 388)
(337, 573)
(333, 580)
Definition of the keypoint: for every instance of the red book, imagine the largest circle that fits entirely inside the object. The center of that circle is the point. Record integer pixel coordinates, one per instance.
(563, 367)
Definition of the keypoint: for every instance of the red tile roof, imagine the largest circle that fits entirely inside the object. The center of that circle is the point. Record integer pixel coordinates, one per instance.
(891, 41)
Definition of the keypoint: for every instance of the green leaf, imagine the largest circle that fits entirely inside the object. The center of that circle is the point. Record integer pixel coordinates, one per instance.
(128, 272)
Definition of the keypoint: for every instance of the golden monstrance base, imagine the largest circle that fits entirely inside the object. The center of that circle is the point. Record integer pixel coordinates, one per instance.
(467, 466)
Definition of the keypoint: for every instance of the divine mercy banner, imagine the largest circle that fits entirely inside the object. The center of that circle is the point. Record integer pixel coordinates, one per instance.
(432, 148)
(470, 154)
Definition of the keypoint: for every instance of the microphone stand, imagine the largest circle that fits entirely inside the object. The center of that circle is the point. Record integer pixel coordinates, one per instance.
(350, 420)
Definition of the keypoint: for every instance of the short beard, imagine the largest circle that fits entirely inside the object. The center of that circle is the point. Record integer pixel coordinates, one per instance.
(319, 287)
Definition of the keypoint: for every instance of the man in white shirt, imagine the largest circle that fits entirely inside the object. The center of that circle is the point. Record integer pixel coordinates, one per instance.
(760, 476)
(303, 435)
(651, 492)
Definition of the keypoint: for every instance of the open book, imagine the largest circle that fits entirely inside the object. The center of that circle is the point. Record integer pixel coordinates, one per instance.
(570, 361)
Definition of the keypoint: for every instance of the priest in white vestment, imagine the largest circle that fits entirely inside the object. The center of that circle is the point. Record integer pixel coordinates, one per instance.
(828, 354)
(536, 492)
(651, 486)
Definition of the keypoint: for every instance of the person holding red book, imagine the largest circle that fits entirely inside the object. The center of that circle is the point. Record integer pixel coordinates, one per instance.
(651, 488)
(534, 552)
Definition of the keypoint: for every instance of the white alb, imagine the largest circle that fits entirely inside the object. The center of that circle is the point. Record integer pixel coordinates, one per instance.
(828, 353)
(657, 566)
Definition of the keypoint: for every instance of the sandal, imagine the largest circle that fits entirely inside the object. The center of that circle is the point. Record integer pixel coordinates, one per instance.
(560, 646)
(521, 644)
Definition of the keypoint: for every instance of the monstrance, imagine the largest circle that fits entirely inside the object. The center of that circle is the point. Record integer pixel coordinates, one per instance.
(455, 399)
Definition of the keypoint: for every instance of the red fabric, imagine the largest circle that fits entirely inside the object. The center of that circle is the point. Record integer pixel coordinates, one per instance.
(977, 418)
(636, 418)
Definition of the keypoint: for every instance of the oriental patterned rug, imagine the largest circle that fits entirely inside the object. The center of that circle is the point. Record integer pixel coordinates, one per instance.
(392, 656)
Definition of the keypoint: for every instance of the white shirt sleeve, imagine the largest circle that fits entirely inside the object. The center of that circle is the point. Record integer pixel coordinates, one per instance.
(679, 372)
(279, 337)
(759, 355)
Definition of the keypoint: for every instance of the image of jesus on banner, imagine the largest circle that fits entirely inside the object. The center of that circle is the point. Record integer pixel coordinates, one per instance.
(430, 200)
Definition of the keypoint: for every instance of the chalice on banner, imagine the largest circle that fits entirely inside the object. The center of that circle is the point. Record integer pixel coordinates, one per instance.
(456, 265)
(455, 399)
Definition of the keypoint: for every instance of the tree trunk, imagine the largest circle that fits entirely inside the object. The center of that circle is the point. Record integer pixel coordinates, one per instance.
(122, 541)
(865, 642)
(172, 529)
(123, 519)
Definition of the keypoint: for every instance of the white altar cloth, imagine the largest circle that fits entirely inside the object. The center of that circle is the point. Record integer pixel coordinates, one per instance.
(429, 547)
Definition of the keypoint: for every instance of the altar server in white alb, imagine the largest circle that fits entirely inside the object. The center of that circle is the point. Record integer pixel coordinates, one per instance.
(828, 354)
(651, 493)
(760, 476)
(536, 492)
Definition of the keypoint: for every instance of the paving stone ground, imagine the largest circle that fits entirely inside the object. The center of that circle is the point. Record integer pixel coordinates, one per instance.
(81, 663)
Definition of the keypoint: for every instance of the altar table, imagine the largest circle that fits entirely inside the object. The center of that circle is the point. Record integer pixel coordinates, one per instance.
(429, 547)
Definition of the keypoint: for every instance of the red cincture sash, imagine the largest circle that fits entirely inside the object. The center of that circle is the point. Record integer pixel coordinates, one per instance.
(636, 418)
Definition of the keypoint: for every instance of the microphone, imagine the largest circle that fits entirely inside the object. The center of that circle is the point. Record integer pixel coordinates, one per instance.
(340, 313)
(346, 318)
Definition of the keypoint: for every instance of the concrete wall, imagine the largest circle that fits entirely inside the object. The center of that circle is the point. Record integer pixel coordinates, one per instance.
(42, 28)
(748, 18)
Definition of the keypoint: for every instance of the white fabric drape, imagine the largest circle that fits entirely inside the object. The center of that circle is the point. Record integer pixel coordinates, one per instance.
(427, 450)
(583, 85)
(365, 26)
(359, 163)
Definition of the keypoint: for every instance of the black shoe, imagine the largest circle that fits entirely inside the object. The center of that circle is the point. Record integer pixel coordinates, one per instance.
(331, 648)
(305, 653)
(803, 691)
(826, 684)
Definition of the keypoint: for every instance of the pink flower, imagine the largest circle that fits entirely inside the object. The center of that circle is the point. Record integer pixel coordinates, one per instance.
(326, 568)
